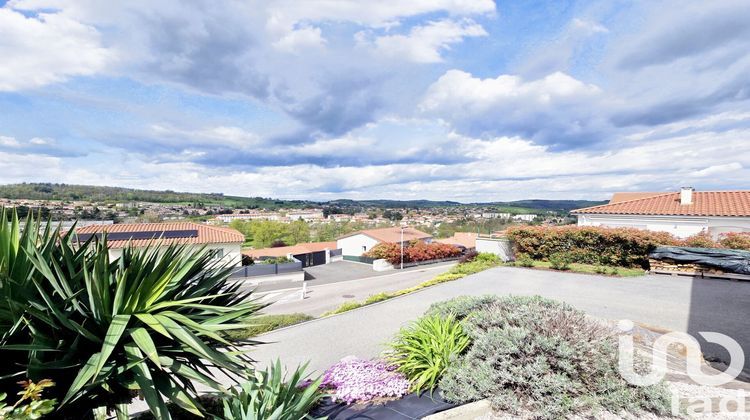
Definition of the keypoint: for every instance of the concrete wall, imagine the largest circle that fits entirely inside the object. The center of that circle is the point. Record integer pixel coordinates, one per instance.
(679, 226)
(499, 246)
(356, 244)
(231, 252)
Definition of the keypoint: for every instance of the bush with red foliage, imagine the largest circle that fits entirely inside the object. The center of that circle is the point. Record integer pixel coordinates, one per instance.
(413, 252)
(700, 240)
(734, 240)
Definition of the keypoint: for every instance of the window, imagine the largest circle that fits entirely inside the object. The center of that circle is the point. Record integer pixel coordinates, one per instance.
(364, 247)
(217, 253)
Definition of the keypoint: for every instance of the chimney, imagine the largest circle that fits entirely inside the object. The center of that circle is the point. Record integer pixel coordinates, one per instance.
(686, 195)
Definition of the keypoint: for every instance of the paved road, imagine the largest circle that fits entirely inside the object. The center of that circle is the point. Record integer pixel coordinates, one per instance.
(335, 272)
(324, 296)
(676, 303)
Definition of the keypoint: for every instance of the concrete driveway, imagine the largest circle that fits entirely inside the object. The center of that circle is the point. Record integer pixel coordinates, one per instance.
(675, 303)
(324, 296)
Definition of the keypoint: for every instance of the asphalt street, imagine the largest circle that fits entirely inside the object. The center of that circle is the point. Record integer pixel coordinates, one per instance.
(675, 303)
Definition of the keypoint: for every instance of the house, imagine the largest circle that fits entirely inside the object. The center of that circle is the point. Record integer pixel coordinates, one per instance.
(467, 240)
(283, 251)
(357, 243)
(307, 216)
(524, 217)
(226, 243)
(682, 213)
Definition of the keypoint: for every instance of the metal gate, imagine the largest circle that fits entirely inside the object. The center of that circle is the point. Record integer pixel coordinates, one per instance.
(312, 258)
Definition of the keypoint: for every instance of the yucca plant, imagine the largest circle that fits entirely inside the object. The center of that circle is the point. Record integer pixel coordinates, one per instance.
(423, 350)
(268, 395)
(17, 244)
(150, 323)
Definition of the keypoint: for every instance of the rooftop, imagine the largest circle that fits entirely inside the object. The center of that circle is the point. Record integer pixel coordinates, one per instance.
(703, 203)
(142, 234)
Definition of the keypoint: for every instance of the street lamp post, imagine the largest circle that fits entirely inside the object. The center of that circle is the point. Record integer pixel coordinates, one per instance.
(402, 247)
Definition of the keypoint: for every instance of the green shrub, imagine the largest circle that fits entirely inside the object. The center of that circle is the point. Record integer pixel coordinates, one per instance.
(423, 350)
(461, 306)
(147, 323)
(524, 260)
(378, 297)
(538, 355)
(344, 307)
(266, 323)
(559, 261)
(624, 247)
(267, 395)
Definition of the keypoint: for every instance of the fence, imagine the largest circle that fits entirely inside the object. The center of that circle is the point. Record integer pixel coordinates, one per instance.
(268, 269)
(359, 258)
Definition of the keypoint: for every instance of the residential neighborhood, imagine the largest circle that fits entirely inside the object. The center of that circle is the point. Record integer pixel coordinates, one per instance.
(375, 210)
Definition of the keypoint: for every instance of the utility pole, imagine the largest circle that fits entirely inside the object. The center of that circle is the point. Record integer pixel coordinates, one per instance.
(402, 247)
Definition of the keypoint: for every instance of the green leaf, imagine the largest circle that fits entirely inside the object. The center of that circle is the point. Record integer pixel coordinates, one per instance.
(141, 337)
(114, 333)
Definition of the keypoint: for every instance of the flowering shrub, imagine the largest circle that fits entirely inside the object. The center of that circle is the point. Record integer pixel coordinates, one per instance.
(735, 240)
(413, 252)
(700, 240)
(625, 247)
(358, 380)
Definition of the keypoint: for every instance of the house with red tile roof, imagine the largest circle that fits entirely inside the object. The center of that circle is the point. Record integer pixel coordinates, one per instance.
(682, 213)
(357, 243)
(225, 243)
(283, 251)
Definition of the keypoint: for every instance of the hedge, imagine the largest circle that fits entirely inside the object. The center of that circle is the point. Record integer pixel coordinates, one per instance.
(413, 252)
(626, 247)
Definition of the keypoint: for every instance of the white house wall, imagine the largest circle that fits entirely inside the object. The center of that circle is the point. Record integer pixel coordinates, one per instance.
(232, 252)
(679, 226)
(356, 245)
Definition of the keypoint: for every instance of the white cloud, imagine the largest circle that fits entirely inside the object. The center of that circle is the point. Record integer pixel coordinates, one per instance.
(46, 48)
(424, 44)
(287, 13)
(9, 142)
(557, 109)
(301, 39)
(39, 141)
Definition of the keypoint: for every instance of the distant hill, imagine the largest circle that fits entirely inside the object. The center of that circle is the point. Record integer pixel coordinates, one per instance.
(67, 192)
(552, 205)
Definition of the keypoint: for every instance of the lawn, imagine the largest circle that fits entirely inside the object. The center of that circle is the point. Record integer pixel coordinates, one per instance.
(590, 269)
(266, 323)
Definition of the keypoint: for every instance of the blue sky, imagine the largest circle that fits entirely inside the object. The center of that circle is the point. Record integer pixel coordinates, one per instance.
(468, 100)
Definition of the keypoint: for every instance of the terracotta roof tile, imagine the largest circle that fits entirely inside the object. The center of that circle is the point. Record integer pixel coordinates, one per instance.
(206, 234)
(704, 203)
(467, 239)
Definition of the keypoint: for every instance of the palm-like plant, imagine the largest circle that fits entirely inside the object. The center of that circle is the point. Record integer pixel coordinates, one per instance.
(267, 395)
(423, 350)
(149, 323)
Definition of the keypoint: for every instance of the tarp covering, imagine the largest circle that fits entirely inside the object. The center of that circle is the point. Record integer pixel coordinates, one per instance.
(411, 407)
(728, 260)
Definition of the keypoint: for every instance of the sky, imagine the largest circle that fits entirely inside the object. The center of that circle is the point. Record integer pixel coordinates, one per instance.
(466, 100)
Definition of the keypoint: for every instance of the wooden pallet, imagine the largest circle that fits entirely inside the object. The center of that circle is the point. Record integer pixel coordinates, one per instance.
(701, 274)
